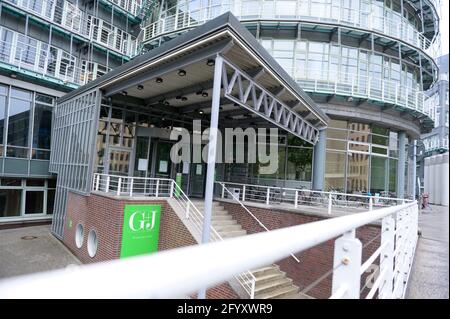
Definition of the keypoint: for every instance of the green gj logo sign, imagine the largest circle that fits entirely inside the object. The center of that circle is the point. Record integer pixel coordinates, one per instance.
(140, 230)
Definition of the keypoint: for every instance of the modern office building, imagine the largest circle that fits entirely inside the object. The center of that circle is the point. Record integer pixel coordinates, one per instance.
(436, 141)
(365, 63)
(47, 48)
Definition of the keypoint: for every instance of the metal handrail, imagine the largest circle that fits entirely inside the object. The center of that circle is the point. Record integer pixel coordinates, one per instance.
(250, 213)
(329, 196)
(246, 279)
(213, 263)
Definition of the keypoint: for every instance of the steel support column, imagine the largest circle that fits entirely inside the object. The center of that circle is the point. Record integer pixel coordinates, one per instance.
(414, 170)
(319, 161)
(401, 164)
(212, 145)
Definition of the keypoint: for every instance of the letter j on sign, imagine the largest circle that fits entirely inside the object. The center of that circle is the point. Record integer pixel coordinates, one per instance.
(140, 230)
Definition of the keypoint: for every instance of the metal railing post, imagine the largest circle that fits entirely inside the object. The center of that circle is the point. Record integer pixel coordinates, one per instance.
(370, 203)
(347, 264)
(268, 196)
(387, 257)
(330, 203)
(171, 188)
(187, 209)
(131, 186)
(223, 190)
(157, 188)
(98, 182)
(107, 184)
(296, 199)
(118, 186)
(243, 193)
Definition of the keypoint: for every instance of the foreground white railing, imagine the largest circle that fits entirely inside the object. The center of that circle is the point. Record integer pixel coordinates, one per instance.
(272, 195)
(211, 264)
(165, 187)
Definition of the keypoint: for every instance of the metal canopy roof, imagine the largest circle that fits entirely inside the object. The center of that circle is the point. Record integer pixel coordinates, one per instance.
(262, 91)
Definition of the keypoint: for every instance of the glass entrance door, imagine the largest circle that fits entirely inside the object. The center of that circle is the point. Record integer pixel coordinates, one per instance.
(197, 180)
(163, 164)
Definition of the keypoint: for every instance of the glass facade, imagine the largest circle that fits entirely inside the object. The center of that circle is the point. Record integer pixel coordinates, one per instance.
(26, 197)
(361, 158)
(25, 123)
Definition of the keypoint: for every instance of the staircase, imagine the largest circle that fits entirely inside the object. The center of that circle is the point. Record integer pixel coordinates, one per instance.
(271, 282)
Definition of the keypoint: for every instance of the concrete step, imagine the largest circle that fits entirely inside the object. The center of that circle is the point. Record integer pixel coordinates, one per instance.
(223, 222)
(297, 295)
(270, 277)
(222, 228)
(272, 285)
(278, 293)
(221, 217)
(233, 233)
(269, 270)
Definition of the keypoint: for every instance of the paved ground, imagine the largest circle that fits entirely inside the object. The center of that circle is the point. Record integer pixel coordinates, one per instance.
(21, 256)
(430, 274)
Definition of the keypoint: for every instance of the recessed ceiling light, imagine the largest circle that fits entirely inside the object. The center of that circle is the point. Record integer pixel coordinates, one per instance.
(13, 75)
(159, 80)
(205, 94)
(210, 62)
(183, 98)
(124, 93)
(140, 87)
(200, 112)
(181, 72)
(166, 103)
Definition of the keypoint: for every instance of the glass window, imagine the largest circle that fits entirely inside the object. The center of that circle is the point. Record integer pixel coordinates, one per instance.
(392, 176)
(299, 164)
(50, 201)
(10, 202)
(378, 175)
(34, 202)
(11, 182)
(335, 171)
(35, 182)
(18, 122)
(42, 126)
(357, 173)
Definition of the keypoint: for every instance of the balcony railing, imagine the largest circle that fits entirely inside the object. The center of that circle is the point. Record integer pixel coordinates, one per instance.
(361, 86)
(179, 18)
(211, 264)
(41, 58)
(71, 18)
(131, 6)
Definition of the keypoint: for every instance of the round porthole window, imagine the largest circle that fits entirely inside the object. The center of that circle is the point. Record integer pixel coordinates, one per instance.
(92, 243)
(79, 235)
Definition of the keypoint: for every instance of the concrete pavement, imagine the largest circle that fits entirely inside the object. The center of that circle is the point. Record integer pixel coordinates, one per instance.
(31, 249)
(430, 273)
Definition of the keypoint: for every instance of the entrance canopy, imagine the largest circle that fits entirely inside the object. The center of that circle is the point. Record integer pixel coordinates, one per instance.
(218, 73)
(176, 79)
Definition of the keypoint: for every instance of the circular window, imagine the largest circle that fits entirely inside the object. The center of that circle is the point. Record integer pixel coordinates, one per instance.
(79, 235)
(92, 243)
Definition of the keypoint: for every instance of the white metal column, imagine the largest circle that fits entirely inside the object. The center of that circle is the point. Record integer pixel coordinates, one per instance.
(209, 186)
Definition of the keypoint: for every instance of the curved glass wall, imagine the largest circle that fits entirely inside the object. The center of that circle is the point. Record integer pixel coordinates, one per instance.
(325, 67)
(361, 158)
(385, 17)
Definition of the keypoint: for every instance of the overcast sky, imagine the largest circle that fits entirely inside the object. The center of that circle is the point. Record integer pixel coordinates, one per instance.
(444, 26)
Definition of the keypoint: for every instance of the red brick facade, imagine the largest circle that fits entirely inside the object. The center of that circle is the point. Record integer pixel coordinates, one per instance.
(314, 262)
(105, 216)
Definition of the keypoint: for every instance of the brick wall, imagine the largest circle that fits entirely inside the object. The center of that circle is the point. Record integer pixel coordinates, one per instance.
(314, 262)
(105, 216)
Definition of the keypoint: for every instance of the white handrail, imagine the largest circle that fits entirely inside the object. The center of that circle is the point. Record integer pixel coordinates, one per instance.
(246, 279)
(250, 213)
(204, 265)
